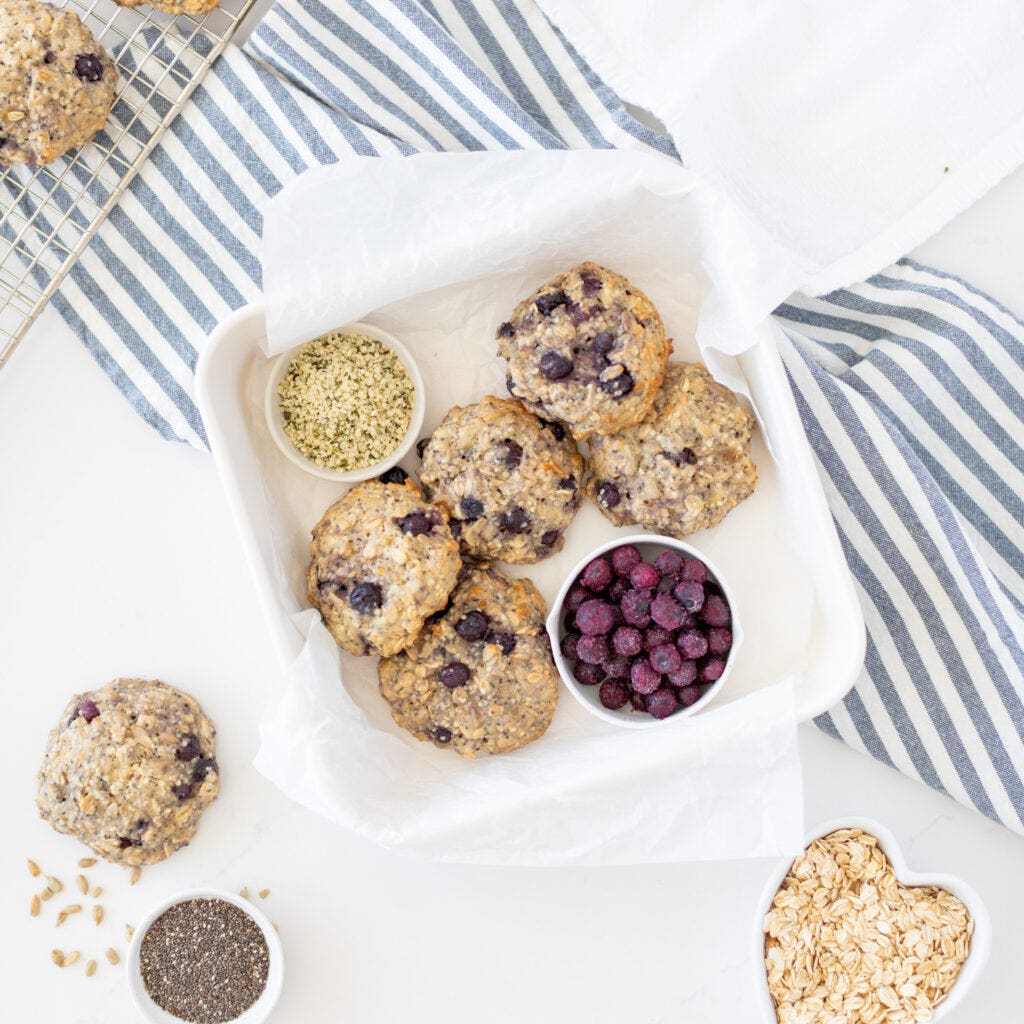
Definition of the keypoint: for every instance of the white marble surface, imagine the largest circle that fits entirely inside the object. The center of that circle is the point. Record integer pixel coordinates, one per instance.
(118, 558)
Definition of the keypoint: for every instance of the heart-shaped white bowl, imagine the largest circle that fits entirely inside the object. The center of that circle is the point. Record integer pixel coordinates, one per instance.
(981, 940)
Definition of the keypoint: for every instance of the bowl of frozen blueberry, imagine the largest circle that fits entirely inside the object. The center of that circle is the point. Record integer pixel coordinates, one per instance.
(644, 631)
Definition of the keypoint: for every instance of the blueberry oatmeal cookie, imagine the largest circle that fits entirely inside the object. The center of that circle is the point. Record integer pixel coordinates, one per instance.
(56, 82)
(382, 560)
(588, 349)
(510, 485)
(129, 770)
(685, 465)
(480, 678)
(194, 7)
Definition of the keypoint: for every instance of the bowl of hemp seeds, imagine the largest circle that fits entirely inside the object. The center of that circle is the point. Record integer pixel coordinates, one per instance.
(205, 957)
(346, 406)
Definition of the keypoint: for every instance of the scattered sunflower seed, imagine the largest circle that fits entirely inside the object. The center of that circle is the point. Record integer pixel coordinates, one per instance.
(129, 931)
(71, 958)
(97, 913)
(97, 892)
(83, 884)
(135, 875)
(112, 957)
(87, 862)
(264, 893)
(54, 884)
(71, 908)
(35, 906)
(244, 892)
(57, 956)
(90, 968)
(46, 894)
(33, 868)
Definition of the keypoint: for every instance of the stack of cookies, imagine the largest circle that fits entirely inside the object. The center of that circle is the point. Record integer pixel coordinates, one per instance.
(404, 571)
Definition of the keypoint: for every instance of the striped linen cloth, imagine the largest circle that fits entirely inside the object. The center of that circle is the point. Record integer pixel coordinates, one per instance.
(910, 385)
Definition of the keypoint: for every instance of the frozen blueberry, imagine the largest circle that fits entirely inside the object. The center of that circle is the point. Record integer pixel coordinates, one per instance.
(509, 453)
(715, 611)
(662, 703)
(550, 301)
(595, 617)
(394, 475)
(592, 649)
(643, 678)
(692, 643)
(569, 623)
(618, 386)
(684, 675)
(618, 589)
(417, 523)
(627, 640)
(655, 636)
(613, 694)
(88, 710)
(597, 575)
(617, 667)
(638, 700)
(188, 747)
(624, 558)
(506, 641)
(665, 658)
(665, 585)
(568, 645)
(555, 427)
(587, 674)
(472, 626)
(690, 594)
(719, 640)
(636, 607)
(555, 366)
(668, 562)
(441, 735)
(506, 330)
(471, 508)
(667, 611)
(202, 768)
(88, 67)
(515, 520)
(603, 343)
(688, 695)
(576, 596)
(365, 597)
(711, 670)
(454, 674)
(694, 569)
(608, 495)
(643, 575)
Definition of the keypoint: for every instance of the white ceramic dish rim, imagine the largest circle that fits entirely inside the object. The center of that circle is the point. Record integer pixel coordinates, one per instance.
(981, 941)
(259, 1011)
(272, 409)
(587, 696)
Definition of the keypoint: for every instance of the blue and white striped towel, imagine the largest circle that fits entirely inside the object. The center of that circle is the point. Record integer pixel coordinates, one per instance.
(910, 385)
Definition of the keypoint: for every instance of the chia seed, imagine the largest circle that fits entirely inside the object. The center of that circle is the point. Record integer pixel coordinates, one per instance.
(205, 961)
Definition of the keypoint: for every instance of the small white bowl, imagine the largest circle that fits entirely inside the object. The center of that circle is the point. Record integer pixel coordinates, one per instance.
(258, 1012)
(275, 422)
(649, 544)
(981, 941)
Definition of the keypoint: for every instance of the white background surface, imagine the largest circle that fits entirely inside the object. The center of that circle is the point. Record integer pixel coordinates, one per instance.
(117, 557)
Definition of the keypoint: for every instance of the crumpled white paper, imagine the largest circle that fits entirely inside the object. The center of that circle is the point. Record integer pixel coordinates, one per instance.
(438, 249)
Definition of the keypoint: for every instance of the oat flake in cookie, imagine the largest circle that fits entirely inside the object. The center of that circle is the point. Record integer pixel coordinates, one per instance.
(56, 82)
(588, 349)
(129, 770)
(685, 465)
(480, 678)
(510, 482)
(382, 560)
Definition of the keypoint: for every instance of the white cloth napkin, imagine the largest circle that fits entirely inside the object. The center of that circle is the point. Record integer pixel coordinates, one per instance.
(846, 133)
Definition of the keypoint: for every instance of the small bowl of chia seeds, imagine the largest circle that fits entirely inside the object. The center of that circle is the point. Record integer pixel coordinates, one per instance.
(205, 957)
(346, 406)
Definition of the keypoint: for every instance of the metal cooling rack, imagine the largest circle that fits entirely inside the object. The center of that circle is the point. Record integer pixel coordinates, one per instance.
(48, 215)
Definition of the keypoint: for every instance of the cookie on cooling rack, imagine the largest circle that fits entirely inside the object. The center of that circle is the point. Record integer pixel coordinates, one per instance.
(56, 83)
(194, 7)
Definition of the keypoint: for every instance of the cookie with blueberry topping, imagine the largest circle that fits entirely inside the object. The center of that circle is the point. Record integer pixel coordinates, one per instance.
(588, 349)
(685, 465)
(129, 770)
(56, 82)
(510, 484)
(193, 7)
(480, 678)
(382, 559)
